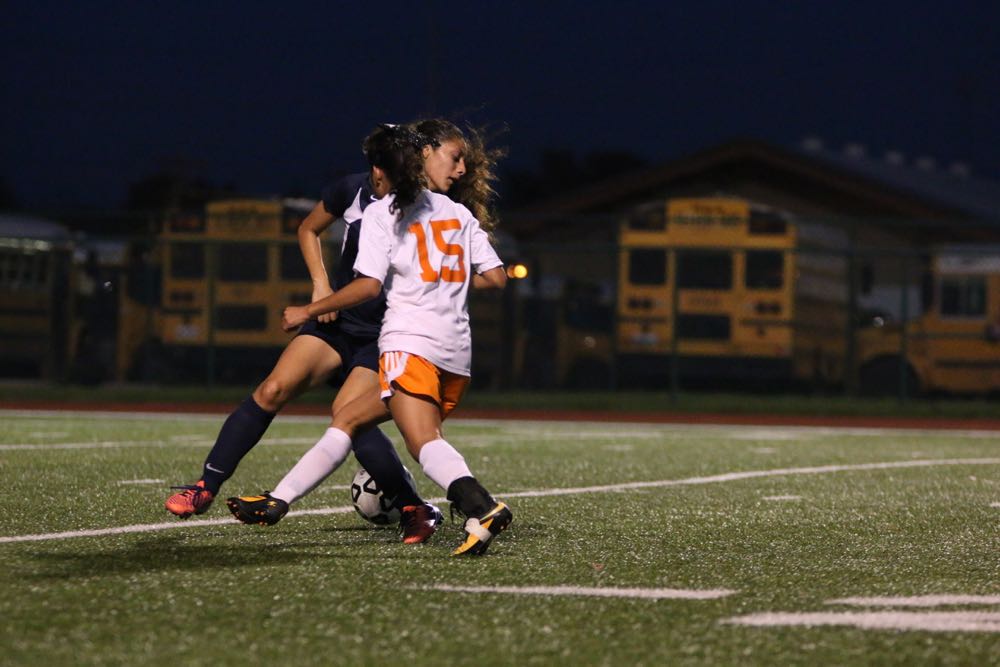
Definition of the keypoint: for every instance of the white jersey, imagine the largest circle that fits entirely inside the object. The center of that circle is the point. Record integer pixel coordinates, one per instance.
(425, 261)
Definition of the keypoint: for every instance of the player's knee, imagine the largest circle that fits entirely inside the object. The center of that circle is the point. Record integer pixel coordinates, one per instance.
(272, 395)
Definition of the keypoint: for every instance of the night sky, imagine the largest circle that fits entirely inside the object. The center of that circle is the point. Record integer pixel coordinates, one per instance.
(275, 98)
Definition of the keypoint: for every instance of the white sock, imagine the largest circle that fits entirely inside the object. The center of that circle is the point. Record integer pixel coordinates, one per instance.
(314, 466)
(442, 463)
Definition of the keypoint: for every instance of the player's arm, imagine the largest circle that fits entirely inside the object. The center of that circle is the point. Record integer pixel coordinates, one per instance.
(356, 292)
(495, 278)
(311, 246)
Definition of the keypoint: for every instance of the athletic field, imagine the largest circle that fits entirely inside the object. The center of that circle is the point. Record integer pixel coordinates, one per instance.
(632, 544)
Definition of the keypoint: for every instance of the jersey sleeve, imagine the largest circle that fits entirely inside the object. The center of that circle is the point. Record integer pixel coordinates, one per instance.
(374, 245)
(339, 195)
(483, 256)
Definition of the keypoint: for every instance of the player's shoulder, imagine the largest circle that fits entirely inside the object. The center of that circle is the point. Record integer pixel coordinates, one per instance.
(440, 202)
(380, 209)
(351, 182)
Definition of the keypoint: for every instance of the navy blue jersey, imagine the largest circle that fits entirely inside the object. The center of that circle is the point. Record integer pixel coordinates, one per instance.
(347, 198)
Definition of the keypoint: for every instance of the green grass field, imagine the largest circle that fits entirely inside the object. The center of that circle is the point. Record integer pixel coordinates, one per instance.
(723, 545)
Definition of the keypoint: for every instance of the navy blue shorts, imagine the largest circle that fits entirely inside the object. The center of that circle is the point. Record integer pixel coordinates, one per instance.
(354, 351)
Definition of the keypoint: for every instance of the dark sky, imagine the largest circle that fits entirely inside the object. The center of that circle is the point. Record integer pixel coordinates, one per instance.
(273, 97)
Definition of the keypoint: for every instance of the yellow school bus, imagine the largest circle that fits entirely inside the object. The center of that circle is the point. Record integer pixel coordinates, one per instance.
(954, 345)
(226, 274)
(736, 290)
(38, 326)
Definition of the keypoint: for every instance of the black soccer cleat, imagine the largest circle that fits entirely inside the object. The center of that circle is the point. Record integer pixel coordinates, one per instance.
(263, 510)
(480, 531)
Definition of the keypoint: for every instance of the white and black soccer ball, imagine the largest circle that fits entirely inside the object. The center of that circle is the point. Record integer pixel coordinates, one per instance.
(369, 501)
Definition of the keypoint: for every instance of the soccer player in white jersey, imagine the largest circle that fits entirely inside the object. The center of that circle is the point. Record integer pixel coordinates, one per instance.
(426, 251)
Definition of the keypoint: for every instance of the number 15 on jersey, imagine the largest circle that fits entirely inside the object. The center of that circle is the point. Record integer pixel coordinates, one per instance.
(427, 272)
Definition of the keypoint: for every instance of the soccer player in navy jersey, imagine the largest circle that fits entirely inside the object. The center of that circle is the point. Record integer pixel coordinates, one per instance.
(344, 343)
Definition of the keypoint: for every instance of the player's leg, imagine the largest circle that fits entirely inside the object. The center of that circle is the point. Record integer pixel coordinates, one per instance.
(419, 397)
(306, 362)
(372, 448)
(357, 407)
(419, 519)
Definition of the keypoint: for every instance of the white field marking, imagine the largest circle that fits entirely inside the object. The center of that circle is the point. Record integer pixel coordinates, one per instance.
(932, 621)
(152, 527)
(108, 444)
(105, 415)
(141, 481)
(636, 593)
(751, 474)
(535, 427)
(994, 504)
(551, 428)
(618, 448)
(918, 601)
(186, 438)
(771, 435)
(782, 497)
(332, 487)
(609, 488)
(763, 450)
(111, 444)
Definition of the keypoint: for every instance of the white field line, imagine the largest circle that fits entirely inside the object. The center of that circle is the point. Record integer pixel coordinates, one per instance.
(751, 474)
(918, 601)
(111, 444)
(153, 527)
(608, 488)
(934, 621)
(141, 481)
(638, 593)
(779, 498)
(538, 428)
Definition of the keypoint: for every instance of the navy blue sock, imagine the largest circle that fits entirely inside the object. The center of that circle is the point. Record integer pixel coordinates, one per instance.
(375, 453)
(241, 431)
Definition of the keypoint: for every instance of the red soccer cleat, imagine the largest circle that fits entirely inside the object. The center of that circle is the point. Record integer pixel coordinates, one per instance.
(419, 522)
(193, 499)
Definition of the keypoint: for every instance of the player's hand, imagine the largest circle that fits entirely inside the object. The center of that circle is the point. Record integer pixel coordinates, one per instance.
(294, 317)
(322, 293)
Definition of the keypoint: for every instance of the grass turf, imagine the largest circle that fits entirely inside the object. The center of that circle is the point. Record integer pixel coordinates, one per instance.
(329, 589)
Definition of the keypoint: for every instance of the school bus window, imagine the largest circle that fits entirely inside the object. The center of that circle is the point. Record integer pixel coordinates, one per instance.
(241, 318)
(293, 267)
(765, 269)
(705, 270)
(187, 260)
(243, 262)
(767, 222)
(963, 297)
(648, 217)
(647, 267)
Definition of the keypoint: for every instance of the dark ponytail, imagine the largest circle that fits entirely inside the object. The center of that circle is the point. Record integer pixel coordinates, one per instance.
(395, 149)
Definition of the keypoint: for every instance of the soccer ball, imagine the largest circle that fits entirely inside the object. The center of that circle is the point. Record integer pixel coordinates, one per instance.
(369, 501)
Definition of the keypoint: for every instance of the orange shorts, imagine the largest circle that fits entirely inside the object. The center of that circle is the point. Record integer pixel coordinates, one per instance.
(415, 375)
